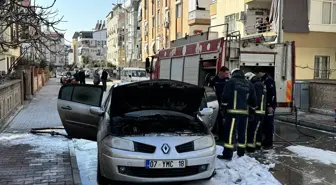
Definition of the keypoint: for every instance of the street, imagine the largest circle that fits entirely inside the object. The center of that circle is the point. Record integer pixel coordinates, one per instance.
(44, 159)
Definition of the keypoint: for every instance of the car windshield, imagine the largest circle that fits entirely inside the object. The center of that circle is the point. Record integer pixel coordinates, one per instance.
(139, 73)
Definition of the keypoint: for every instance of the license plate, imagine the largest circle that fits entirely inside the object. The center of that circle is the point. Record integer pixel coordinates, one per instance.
(165, 164)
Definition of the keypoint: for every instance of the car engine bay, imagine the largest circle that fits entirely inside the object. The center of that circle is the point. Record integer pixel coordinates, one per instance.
(159, 125)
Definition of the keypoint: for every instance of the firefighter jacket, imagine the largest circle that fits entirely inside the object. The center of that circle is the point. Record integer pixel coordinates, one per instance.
(238, 95)
(261, 94)
(271, 99)
(219, 86)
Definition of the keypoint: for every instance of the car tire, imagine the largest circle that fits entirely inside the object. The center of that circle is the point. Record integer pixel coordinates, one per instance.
(101, 180)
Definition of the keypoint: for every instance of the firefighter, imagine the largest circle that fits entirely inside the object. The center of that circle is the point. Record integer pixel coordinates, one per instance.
(271, 103)
(218, 82)
(254, 136)
(237, 96)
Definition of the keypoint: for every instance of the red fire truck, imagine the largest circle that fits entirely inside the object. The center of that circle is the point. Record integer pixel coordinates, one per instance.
(194, 62)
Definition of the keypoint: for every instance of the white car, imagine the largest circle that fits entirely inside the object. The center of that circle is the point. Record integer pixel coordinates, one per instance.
(148, 131)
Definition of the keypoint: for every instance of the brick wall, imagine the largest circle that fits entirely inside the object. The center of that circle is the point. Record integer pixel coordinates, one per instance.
(323, 94)
(10, 98)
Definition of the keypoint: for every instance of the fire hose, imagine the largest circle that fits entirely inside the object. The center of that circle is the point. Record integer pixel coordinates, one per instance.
(49, 130)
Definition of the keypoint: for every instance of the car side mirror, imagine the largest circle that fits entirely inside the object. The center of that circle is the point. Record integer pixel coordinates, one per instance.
(206, 112)
(97, 111)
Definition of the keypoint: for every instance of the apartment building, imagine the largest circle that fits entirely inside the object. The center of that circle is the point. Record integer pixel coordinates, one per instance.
(164, 21)
(115, 22)
(311, 24)
(53, 48)
(91, 44)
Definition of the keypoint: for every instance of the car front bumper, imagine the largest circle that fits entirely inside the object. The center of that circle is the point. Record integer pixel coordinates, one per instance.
(112, 166)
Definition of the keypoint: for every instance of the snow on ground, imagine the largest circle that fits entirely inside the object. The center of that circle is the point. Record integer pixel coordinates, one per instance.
(244, 170)
(322, 156)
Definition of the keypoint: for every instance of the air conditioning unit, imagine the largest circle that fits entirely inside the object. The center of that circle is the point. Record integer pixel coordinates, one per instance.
(240, 16)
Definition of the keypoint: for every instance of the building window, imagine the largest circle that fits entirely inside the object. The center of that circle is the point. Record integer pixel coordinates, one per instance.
(178, 10)
(231, 20)
(153, 20)
(329, 12)
(166, 3)
(322, 67)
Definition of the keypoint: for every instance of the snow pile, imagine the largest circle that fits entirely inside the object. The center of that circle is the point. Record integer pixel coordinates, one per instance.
(322, 156)
(241, 170)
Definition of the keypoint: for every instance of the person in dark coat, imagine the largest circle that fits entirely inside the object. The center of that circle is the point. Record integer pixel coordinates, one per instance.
(218, 82)
(256, 118)
(238, 95)
(81, 76)
(76, 76)
(96, 78)
(104, 79)
(271, 104)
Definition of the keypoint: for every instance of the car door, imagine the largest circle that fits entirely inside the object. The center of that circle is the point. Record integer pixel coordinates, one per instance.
(74, 105)
(212, 102)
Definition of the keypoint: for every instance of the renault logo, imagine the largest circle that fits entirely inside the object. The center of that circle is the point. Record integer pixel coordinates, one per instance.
(165, 148)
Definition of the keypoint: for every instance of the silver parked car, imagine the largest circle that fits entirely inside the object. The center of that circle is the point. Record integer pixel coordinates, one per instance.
(148, 131)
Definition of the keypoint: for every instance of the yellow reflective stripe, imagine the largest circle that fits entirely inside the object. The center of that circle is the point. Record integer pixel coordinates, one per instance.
(233, 111)
(262, 102)
(258, 143)
(235, 100)
(228, 145)
(245, 139)
(260, 112)
(241, 145)
(251, 145)
(255, 133)
(231, 130)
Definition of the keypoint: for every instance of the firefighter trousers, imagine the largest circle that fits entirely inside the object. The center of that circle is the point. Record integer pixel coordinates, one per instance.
(254, 133)
(235, 125)
(268, 131)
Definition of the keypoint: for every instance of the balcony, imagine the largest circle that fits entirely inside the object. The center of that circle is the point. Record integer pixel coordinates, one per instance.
(257, 1)
(266, 30)
(199, 17)
(213, 9)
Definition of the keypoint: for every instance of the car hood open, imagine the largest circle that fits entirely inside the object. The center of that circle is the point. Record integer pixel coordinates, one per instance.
(156, 95)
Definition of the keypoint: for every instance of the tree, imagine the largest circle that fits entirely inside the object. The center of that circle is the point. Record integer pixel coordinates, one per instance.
(21, 24)
(85, 60)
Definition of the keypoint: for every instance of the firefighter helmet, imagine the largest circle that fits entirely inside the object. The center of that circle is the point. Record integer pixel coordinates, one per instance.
(235, 70)
(249, 76)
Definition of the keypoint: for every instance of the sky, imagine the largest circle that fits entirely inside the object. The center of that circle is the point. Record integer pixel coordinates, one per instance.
(79, 15)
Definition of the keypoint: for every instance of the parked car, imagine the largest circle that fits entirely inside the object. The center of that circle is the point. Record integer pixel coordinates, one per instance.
(147, 131)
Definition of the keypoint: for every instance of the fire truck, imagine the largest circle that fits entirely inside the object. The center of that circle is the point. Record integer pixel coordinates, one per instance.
(195, 62)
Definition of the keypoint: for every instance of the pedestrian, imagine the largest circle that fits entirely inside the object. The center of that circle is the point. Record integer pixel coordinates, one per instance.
(238, 95)
(104, 79)
(271, 103)
(81, 76)
(256, 118)
(96, 78)
(76, 76)
(218, 82)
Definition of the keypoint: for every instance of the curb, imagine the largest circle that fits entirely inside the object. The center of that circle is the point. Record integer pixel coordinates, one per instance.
(74, 164)
(310, 124)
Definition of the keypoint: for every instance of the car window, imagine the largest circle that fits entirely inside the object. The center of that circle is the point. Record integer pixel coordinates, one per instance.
(108, 99)
(211, 96)
(88, 95)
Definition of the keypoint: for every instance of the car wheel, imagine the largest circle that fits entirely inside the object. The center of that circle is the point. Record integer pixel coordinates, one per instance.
(101, 180)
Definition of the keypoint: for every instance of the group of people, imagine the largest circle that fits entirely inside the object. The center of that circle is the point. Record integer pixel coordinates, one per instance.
(80, 77)
(247, 105)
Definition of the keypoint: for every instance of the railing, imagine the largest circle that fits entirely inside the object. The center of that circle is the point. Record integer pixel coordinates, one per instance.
(259, 28)
(199, 14)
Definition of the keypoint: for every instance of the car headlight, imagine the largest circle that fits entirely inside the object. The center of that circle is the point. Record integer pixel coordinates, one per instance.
(119, 143)
(204, 142)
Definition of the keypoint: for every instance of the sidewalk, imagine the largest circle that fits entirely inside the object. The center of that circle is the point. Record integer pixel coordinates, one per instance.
(37, 159)
(312, 120)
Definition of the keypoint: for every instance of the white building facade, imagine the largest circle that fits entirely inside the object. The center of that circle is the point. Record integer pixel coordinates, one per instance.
(53, 49)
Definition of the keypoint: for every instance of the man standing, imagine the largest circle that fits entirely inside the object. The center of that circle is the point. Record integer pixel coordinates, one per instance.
(238, 95)
(76, 76)
(256, 118)
(81, 75)
(218, 82)
(271, 103)
(104, 79)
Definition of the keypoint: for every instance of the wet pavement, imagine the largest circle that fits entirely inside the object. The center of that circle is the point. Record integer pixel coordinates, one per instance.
(289, 168)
